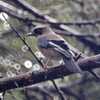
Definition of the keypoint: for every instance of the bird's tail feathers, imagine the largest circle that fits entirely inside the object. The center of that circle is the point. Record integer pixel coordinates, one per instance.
(72, 66)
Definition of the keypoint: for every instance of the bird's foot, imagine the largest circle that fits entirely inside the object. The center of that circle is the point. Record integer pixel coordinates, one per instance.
(77, 57)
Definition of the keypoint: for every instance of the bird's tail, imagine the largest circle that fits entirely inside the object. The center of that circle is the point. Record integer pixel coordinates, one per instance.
(72, 66)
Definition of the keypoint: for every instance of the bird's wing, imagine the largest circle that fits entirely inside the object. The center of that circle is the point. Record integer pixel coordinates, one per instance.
(59, 49)
(60, 43)
(63, 43)
(57, 40)
(71, 65)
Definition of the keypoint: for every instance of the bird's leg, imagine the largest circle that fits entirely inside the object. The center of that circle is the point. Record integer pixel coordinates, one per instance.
(53, 82)
(45, 64)
(76, 58)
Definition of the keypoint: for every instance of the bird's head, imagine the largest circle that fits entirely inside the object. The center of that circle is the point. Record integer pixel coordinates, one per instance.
(38, 30)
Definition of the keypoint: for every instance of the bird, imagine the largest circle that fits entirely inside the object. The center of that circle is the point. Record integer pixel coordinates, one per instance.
(54, 47)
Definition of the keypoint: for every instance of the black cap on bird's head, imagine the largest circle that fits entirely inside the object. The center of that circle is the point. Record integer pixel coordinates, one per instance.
(38, 30)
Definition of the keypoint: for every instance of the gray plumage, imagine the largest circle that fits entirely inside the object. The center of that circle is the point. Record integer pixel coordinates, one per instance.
(54, 47)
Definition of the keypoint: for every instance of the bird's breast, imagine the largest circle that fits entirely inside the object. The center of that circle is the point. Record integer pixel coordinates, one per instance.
(51, 53)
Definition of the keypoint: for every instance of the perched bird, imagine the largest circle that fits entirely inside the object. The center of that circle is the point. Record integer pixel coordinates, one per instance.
(54, 47)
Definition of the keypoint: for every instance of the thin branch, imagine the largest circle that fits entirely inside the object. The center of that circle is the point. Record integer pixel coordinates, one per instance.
(47, 19)
(81, 23)
(74, 23)
(36, 13)
(93, 35)
(94, 47)
(12, 11)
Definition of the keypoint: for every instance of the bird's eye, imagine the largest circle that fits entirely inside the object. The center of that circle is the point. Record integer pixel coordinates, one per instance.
(38, 31)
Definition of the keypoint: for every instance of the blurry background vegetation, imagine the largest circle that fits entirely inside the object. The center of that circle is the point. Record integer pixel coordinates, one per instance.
(63, 11)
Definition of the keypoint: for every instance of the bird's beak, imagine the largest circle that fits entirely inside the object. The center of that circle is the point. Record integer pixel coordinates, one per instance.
(29, 34)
